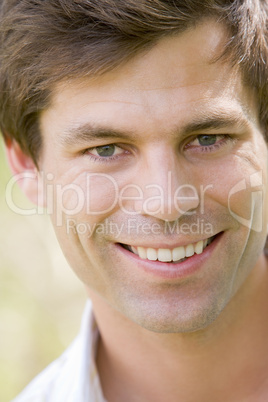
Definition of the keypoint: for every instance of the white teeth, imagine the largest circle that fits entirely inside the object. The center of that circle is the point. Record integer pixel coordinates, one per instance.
(152, 254)
(199, 247)
(178, 253)
(164, 255)
(142, 253)
(134, 249)
(168, 255)
(189, 250)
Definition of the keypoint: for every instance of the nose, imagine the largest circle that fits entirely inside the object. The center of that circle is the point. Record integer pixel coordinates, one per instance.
(166, 189)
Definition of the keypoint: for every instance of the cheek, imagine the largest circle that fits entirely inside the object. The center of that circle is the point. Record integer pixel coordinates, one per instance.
(239, 184)
(86, 197)
(100, 194)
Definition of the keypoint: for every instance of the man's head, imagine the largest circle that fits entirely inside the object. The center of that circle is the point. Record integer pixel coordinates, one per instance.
(162, 157)
(45, 42)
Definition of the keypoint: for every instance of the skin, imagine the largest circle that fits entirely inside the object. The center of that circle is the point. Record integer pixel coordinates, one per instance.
(209, 315)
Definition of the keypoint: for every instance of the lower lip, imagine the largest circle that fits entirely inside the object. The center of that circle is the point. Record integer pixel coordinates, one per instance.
(191, 266)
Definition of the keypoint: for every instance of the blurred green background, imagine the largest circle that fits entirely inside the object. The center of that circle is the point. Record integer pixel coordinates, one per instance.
(41, 300)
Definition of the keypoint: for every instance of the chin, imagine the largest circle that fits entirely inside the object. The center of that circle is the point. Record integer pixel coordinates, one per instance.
(163, 319)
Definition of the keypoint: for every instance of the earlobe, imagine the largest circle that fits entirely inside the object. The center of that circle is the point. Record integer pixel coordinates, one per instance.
(24, 169)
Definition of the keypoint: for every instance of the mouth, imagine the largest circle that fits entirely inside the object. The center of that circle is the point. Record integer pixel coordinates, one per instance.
(174, 255)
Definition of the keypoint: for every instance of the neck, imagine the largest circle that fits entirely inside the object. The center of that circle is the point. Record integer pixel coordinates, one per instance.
(188, 366)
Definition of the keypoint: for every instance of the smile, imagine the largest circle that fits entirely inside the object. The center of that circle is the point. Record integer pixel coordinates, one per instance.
(177, 254)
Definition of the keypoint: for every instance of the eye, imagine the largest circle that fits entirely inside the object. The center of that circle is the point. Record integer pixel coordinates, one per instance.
(206, 140)
(106, 151)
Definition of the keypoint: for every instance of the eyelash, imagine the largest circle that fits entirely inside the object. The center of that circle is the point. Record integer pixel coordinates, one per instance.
(225, 138)
(105, 159)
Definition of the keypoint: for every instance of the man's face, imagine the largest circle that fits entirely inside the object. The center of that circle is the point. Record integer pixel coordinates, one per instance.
(159, 159)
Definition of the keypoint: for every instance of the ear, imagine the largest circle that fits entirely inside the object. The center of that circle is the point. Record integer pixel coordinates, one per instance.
(26, 173)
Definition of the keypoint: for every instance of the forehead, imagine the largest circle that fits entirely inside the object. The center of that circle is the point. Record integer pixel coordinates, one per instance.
(176, 56)
(181, 76)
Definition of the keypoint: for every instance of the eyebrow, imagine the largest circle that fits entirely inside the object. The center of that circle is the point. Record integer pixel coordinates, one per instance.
(88, 132)
(216, 122)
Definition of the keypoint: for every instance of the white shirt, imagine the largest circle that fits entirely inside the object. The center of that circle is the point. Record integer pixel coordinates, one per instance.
(73, 376)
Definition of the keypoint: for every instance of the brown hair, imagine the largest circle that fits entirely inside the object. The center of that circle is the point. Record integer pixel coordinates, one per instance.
(45, 41)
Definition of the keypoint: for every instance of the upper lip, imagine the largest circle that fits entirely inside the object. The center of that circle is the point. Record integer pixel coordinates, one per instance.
(166, 244)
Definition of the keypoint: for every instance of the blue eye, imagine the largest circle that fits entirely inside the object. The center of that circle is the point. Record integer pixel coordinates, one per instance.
(208, 143)
(105, 150)
(207, 140)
